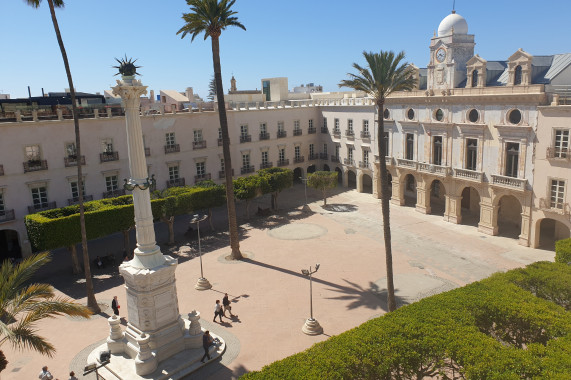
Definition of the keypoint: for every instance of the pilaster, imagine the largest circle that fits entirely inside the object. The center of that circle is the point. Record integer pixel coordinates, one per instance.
(453, 209)
(488, 219)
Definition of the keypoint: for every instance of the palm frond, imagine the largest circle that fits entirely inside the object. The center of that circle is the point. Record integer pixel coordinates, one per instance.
(209, 17)
(27, 339)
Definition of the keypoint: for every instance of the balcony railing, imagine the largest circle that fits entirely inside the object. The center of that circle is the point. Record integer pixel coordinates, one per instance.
(247, 169)
(323, 156)
(311, 130)
(114, 193)
(334, 158)
(365, 134)
(282, 134)
(35, 165)
(509, 182)
(299, 159)
(407, 163)
(219, 142)
(265, 165)
(1, 169)
(147, 152)
(297, 132)
(388, 161)
(177, 182)
(435, 169)
(7, 215)
(108, 156)
(324, 130)
(558, 153)
(337, 133)
(284, 162)
(199, 144)
(41, 207)
(364, 165)
(75, 200)
(245, 138)
(174, 148)
(470, 175)
(222, 174)
(202, 177)
(348, 161)
(313, 156)
(264, 136)
(561, 208)
(349, 133)
(72, 161)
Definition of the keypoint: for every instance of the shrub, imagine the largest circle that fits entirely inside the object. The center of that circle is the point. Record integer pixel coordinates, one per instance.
(563, 251)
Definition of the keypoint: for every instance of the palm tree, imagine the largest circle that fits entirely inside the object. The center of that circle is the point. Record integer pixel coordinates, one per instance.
(385, 74)
(91, 301)
(23, 305)
(211, 17)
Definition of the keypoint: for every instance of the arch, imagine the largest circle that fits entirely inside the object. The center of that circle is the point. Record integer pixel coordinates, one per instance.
(517, 75)
(297, 175)
(311, 169)
(475, 78)
(470, 206)
(366, 184)
(551, 230)
(437, 199)
(339, 175)
(326, 168)
(409, 190)
(10, 245)
(351, 179)
(509, 216)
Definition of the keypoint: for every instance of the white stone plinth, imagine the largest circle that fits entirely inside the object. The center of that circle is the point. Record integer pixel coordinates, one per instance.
(202, 284)
(312, 327)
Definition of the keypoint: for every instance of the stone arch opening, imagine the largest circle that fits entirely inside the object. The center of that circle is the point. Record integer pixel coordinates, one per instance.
(326, 168)
(351, 179)
(437, 198)
(367, 184)
(410, 190)
(509, 217)
(470, 206)
(311, 169)
(339, 175)
(10, 245)
(297, 175)
(551, 230)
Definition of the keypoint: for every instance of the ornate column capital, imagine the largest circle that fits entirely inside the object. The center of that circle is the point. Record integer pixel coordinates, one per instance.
(130, 90)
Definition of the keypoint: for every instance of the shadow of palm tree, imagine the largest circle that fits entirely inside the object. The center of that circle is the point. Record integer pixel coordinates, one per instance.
(340, 207)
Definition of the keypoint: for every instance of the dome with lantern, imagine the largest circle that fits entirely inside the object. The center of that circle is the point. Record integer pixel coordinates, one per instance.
(453, 23)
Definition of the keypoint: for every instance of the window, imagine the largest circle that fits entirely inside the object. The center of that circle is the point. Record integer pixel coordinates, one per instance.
(409, 146)
(311, 150)
(280, 126)
(170, 139)
(222, 165)
(514, 116)
(350, 153)
(325, 149)
(386, 138)
(561, 145)
(325, 123)
(220, 133)
(282, 154)
(557, 193)
(517, 75)
(386, 113)
(173, 172)
(439, 115)
(75, 189)
(111, 183)
(437, 150)
(337, 149)
(473, 115)
(512, 158)
(2, 207)
(264, 158)
(366, 157)
(246, 160)
(310, 124)
(266, 90)
(107, 145)
(475, 78)
(296, 125)
(435, 189)
(336, 124)
(200, 169)
(198, 135)
(263, 128)
(365, 125)
(244, 131)
(410, 114)
(33, 152)
(40, 197)
(70, 150)
(297, 152)
(471, 154)
(350, 125)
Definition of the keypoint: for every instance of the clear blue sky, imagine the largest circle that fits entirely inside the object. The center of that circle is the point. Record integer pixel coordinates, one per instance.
(304, 40)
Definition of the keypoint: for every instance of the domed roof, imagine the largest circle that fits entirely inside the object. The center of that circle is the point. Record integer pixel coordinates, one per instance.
(453, 20)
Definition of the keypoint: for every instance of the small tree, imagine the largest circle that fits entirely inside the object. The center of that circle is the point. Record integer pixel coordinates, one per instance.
(323, 181)
(278, 179)
(216, 198)
(248, 188)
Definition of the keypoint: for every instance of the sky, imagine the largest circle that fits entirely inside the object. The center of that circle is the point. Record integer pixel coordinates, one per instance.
(308, 41)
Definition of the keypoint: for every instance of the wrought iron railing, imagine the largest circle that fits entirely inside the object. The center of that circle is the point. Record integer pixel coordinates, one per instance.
(114, 193)
(108, 156)
(298, 159)
(41, 207)
(284, 162)
(75, 200)
(247, 169)
(72, 160)
(199, 144)
(245, 138)
(176, 182)
(35, 165)
(202, 177)
(174, 148)
(7, 215)
(265, 165)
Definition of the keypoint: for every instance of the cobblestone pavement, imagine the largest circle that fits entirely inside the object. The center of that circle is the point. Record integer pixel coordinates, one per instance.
(269, 293)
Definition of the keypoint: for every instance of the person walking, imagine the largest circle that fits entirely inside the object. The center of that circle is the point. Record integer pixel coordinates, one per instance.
(72, 376)
(217, 311)
(226, 304)
(207, 341)
(115, 305)
(45, 374)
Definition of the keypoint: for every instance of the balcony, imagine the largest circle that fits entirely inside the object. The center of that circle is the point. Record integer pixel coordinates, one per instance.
(349, 133)
(403, 163)
(202, 177)
(72, 161)
(470, 175)
(554, 153)
(41, 207)
(265, 165)
(108, 156)
(75, 200)
(348, 161)
(35, 165)
(173, 148)
(364, 165)
(222, 174)
(388, 161)
(334, 158)
(245, 138)
(114, 193)
(509, 182)
(365, 134)
(297, 132)
(545, 204)
(313, 156)
(247, 169)
(438, 170)
(1, 169)
(219, 142)
(298, 159)
(7, 215)
(337, 133)
(264, 136)
(199, 144)
(176, 182)
(147, 152)
(323, 156)
(284, 162)
(282, 134)
(311, 130)
(324, 130)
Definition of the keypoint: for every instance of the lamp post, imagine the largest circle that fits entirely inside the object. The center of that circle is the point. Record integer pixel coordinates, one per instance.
(305, 189)
(311, 326)
(202, 283)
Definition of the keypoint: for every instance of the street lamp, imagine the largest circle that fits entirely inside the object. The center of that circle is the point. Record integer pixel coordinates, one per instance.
(311, 326)
(305, 188)
(202, 283)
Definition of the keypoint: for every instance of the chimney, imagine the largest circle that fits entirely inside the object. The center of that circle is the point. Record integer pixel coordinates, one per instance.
(189, 94)
(152, 96)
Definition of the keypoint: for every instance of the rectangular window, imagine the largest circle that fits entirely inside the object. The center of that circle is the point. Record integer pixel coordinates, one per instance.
(410, 146)
(297, 152)
(200, 169)
(40, 196)
(557, 193)
(561, 146)
(173, 172)
(350, 125)
(222, 165)
(220, 133)
(337, 150)
(244, 130)
(75, 189)
(386, 139)
(336, 124)
(170, 139)
(325, 149)
(280, 126)
(366, 157)
(311, 150)
(33, 152)
(264, 158)
(282, 154)
(365, 125)
(471, 154)
(111, 183)
(2, 207)
(512, 159)
(263, 128)
(70, 150)
(310, 124)
(437, 150)
(350, 153)
(296, 124)
(107, 145)
(246, 160)
(325, 122)
(198, 135)
(266, 90)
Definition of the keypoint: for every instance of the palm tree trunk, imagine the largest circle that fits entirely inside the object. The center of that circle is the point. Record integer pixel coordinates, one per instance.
(91, 301)
(230, 203)
(385, 206)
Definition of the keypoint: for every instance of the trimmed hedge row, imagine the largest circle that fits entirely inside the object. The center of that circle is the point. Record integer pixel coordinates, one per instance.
(491, 329)
(563, 251)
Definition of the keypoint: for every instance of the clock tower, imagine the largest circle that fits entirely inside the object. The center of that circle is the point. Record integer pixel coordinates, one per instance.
(449, 52)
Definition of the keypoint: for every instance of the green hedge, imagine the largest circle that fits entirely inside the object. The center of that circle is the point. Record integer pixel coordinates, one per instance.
(563, 251)
(491, 329)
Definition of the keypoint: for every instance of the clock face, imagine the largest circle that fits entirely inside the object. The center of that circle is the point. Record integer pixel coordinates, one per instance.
(440, 55)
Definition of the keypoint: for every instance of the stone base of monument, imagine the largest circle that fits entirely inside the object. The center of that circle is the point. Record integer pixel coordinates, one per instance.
(312, 327)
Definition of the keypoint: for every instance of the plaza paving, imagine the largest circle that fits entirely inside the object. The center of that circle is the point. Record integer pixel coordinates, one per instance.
(269, 293)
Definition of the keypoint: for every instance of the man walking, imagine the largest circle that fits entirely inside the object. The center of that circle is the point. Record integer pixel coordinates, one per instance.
(115, 305)
(45, 374)
(226, 304)
(217, 311)
(206, 343)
